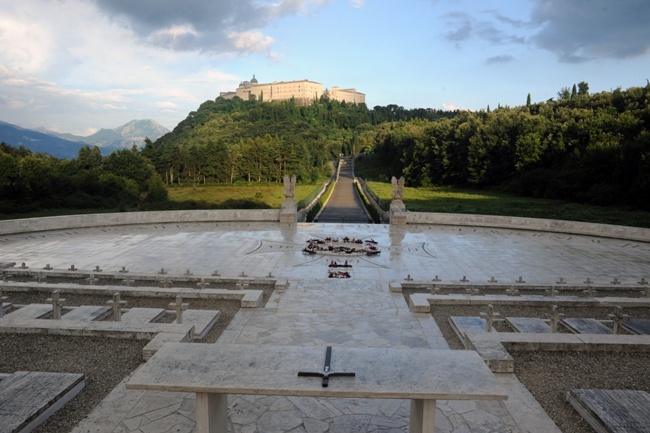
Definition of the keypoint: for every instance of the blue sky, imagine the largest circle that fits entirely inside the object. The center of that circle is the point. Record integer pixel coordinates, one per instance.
(80, 65)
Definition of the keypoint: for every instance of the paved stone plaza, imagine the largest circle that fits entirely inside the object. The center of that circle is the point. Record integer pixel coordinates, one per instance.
(315, 310)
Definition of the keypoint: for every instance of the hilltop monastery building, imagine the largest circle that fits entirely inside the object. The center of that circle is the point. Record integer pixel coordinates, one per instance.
(303, 91)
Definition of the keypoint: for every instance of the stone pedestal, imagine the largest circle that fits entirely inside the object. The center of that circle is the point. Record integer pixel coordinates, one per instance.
(397, 212)
(289, 211)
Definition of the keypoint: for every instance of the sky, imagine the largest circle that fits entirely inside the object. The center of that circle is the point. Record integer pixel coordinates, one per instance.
(80, 65)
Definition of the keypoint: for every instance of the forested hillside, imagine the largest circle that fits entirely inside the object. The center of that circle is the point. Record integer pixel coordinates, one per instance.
(231, 140)
(580, 147)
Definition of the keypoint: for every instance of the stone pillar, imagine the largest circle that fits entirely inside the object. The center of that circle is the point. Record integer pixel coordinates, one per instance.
(397, 212)
(289, 209)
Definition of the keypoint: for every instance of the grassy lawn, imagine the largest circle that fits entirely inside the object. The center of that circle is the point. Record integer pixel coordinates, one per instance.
(266, 195)
(456, 200)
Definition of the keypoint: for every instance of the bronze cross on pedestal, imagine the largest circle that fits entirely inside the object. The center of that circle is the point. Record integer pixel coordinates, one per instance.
(327, 371)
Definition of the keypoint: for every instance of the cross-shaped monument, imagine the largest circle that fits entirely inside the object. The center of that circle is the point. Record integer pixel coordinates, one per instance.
(555, 318)
(179, 306)
(490, 317)
(618, 317)
(57, 304)
(117, 305)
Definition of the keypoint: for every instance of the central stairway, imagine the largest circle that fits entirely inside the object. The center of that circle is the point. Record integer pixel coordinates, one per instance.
(344, 205)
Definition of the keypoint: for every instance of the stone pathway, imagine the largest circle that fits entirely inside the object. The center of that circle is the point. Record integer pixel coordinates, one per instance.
(344, 205)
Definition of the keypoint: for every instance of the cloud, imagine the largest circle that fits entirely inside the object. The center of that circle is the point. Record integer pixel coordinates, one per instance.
(499, 59)
(204, 25)
(587, 29)
(357, 3)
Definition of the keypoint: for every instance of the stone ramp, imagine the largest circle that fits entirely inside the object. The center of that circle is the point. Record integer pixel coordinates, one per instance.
(28, 398)
(613, 411)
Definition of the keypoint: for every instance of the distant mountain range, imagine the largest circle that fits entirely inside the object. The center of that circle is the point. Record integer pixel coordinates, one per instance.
(67, 145)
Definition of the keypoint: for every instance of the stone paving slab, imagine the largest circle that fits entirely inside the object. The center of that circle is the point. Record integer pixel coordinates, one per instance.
(613, 411)
(637, 326)
(141, 316)
(29, 398)
(586, 326)
(202, 320)
(529, 324)
(86, 313)
(31, 311)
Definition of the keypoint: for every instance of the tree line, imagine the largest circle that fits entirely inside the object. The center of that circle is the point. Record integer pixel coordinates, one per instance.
(579, 147)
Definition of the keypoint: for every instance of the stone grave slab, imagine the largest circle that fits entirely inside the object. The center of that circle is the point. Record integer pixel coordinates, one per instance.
(586, 326)
(31, 311)
(87, 313)
(136, 316)
(464, 325)
(637, 326)
(28, 398)
(529, 324)
(613, 411)
(203, 321)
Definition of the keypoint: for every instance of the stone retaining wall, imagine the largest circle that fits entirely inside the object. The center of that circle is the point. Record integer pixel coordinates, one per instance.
(536, 224)
(127, 218)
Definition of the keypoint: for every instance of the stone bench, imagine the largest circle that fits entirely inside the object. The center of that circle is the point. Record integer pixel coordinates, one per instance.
(214, 371)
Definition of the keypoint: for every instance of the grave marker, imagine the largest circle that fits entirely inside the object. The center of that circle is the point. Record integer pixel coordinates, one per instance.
(520, 280)
(437, 279)
(188, 273)
(202, 284)
(162, 271)
(24, 266)
(97, 269)
(91, 280)
(642, 282)
(512, 291)
(48, 267)
(490, 316)
(57, 304)
(2, 300)
(552, 292)
(561, 281)
(216, 273)
(615, 281)
(588, 281)
(179, 306)
(554, 318)
(72, 268)
(618, 317)
(40, 278)
(164, 282)
(492, 280)
(123, 270)
(464, 279)
(117, 305)
(590, 291)
(128, 281)
(473, 291)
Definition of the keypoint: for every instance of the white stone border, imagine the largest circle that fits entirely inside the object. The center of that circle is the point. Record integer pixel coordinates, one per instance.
(128, 218)
(534, 224)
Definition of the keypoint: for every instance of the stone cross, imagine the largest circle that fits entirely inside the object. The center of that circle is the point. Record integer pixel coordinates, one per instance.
(435, 290)
(493, 280)
(72, 268)
(512, 291)
(554, 318)
(642, 282)
(188, 273)
(408, 277)
(97, 269)
(123, 270)
(162, 271)
(216, 273)
(561, 281)
(437, 279)
(40, 278)
(57, 304)
(552, 291)
(615, 281)
(618, 317)
(2, 300)
(243, 274)
(474, 291)
(48, 267)
(590, 291)
(24, 266)
(202, 284)
(91, 280)
(179, 306)
(520, 280)
(647, 292)
(490, 317)
(117, 305)
(464, 279)
(164, 282)
(588, 281)
(127, 281)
